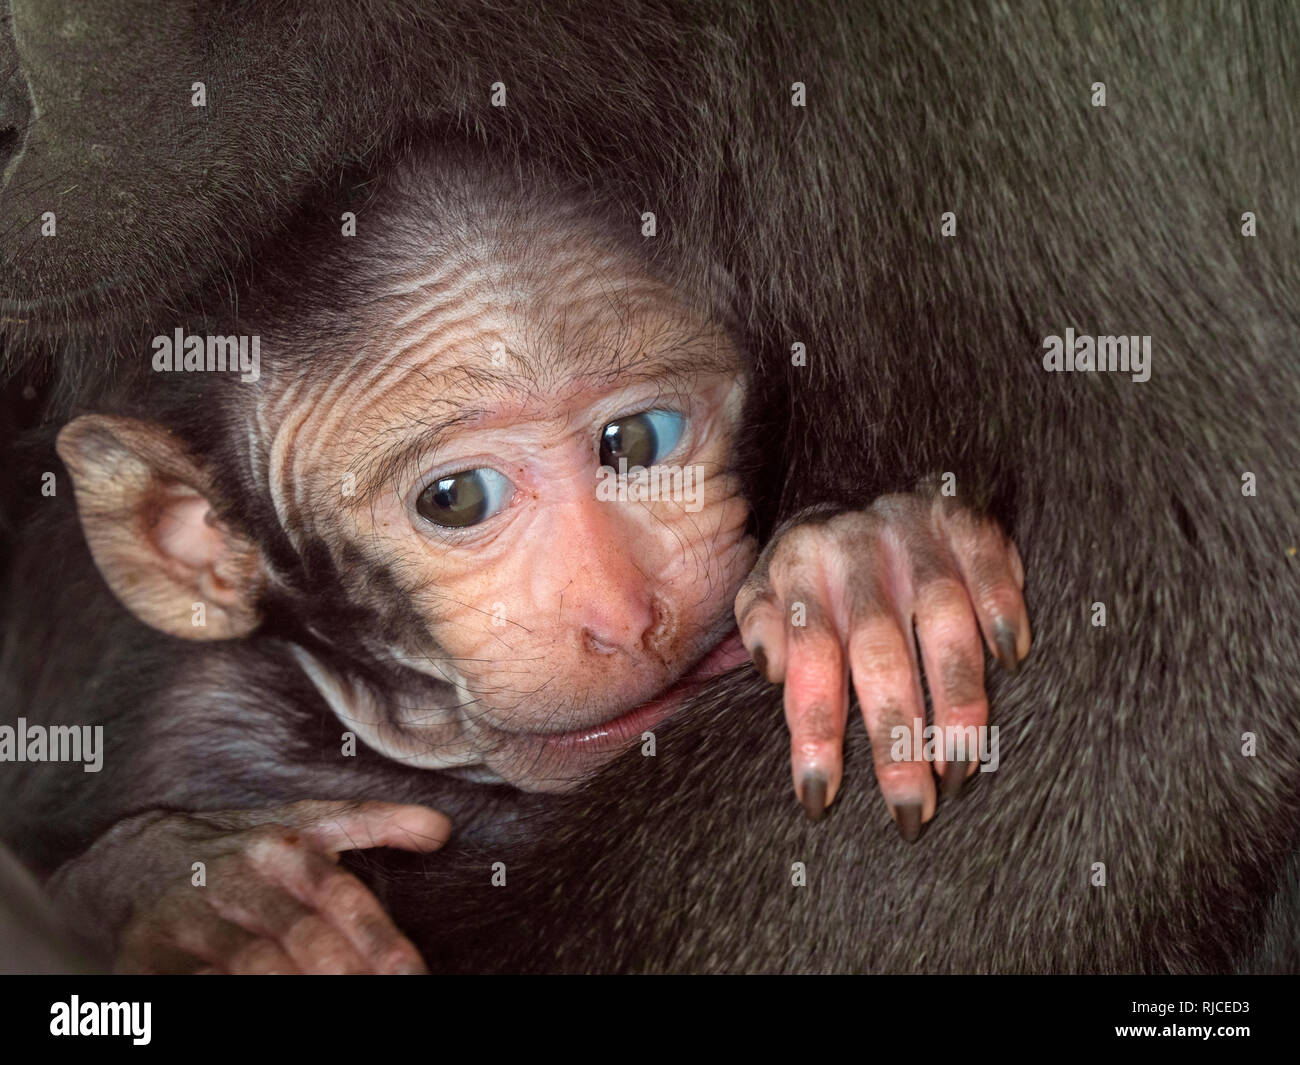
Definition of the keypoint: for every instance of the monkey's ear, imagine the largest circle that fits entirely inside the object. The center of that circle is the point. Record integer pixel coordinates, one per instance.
(144, 508)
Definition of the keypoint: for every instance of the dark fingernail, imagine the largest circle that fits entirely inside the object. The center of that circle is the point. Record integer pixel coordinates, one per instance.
(760, 661)
(1004, 636)
(908, 818)
(813, 796)
(954, 776)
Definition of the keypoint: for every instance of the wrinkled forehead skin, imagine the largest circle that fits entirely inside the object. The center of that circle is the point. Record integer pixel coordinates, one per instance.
(496, 327)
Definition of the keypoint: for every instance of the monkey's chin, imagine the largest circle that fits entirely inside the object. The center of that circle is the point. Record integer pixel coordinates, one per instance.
(583, 751)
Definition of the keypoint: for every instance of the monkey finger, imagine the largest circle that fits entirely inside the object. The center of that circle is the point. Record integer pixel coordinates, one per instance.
(144, 950)
(259, 957)
(318, 947)
(816, 707)
(948, 632)
(343, 826)
(269, 893)
(885, 678)
(1017, 563)
(762, 631)
(183, 934)
(379, 940)
(994, 575)
(355, 912)
(321, 888)
(277, 915)
(311, 940)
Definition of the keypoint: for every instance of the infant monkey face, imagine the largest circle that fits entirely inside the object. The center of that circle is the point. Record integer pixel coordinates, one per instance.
(511, 474)
(555, 500)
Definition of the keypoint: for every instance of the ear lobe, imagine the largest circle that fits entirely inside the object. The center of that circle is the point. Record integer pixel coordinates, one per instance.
(143, 504)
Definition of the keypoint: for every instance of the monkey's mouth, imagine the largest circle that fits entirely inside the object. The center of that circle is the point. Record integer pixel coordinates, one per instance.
(626, 729)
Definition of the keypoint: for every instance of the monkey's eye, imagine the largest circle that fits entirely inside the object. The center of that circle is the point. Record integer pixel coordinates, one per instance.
(642, 439)
(464, 499)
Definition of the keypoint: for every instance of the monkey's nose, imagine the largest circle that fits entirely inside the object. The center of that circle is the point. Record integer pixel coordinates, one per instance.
(638, 628)
(616, 625)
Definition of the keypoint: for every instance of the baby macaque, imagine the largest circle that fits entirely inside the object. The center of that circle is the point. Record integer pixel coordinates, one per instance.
(484, 492)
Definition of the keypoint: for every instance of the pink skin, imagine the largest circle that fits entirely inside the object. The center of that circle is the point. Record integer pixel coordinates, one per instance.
(863, 579)
(562, 616)
(607, 604)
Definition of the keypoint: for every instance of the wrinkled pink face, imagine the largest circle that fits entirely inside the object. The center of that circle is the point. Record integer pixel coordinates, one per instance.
(469, 457)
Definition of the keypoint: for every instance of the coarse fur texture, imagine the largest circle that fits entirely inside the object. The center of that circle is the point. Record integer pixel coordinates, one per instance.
(1120, 744)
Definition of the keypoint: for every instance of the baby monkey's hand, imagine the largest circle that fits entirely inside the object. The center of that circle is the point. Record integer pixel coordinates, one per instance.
(836, 595)
(273, 900)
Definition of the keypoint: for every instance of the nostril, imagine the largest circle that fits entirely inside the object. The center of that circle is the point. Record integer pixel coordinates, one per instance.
(597, 645)
(663, 627)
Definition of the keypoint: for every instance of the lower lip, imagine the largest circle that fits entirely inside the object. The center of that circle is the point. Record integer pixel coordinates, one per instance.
(622, 731)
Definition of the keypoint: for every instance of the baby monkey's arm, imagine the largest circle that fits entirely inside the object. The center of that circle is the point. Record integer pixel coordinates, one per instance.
(836, 595)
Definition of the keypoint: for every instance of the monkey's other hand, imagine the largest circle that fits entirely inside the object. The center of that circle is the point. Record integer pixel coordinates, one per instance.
(845, 591)
(273, 898)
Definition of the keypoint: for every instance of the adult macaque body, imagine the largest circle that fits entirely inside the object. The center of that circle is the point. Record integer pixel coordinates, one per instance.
(405, 510)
